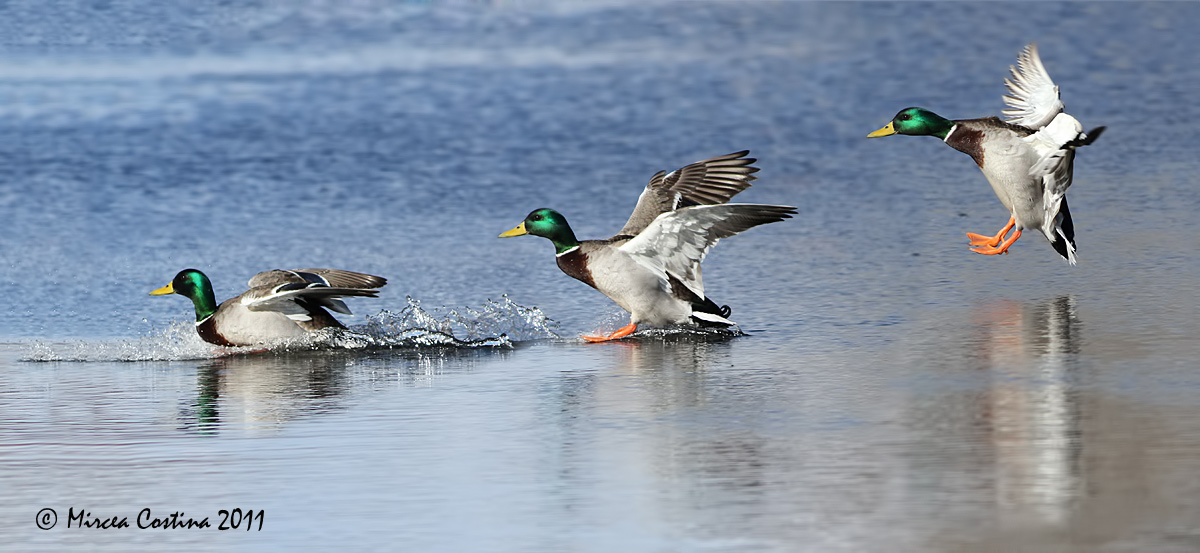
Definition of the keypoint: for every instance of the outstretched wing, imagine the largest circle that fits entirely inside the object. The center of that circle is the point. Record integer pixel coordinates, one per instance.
(677, 241)
(336, 278)
(710, 182)
(1033, 97)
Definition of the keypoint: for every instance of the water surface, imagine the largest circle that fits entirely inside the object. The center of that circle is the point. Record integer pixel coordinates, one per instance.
(893, 392)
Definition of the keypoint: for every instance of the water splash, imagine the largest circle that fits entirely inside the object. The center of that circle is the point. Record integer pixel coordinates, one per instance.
(497, 324)
(178, 341)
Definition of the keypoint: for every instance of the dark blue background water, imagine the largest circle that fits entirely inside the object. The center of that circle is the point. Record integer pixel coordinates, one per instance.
(897, 391)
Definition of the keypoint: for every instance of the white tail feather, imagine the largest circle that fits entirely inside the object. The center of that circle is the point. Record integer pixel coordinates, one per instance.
(1070, 246)
(712, 318)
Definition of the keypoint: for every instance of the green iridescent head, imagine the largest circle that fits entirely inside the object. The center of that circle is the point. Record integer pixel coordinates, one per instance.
(916, 122)
(193, 285)
(547, 223)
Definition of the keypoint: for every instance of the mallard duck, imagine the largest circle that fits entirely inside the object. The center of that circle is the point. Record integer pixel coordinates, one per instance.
(1028, 159)
(279, 304)
(651, 268)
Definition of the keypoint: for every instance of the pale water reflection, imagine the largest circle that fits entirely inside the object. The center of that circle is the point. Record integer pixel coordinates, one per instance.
(262, 392)
(1036, 448)
(259, 392)
(1031, 408)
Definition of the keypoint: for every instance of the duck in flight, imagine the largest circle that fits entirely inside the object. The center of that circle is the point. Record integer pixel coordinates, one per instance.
(1028, 159)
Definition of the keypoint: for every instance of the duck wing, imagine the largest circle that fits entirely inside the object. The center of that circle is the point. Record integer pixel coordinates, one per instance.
(710, 182)
(1033, 98)
(336, 278)
(300, 301)
(1055, 144)
(301, 293)
(675, 243)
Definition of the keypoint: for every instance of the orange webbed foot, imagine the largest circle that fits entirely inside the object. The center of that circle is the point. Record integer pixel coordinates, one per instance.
(981, 240)
(993, 241)
(987, 249)
(620, 333)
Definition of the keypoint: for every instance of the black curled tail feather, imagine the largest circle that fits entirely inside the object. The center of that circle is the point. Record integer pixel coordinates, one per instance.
(710, 307)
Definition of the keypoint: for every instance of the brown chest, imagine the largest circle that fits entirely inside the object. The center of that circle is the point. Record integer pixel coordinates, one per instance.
(968, 141)
(207, 330)
(575, 264)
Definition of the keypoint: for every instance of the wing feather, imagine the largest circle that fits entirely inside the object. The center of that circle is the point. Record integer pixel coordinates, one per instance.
(677, 241)
(1033, 98)
(329, 277)
(709, 182)
(296, 300)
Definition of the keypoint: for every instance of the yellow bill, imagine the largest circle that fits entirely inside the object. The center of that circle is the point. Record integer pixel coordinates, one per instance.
(168, 289)
(887, 130)
(517, 231)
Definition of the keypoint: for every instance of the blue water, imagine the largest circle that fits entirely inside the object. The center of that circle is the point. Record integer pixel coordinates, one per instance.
(894, 391)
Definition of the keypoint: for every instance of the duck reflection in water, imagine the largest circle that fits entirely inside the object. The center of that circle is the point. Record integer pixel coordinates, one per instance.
(711, 445)
(259, 391)
(1031, 410)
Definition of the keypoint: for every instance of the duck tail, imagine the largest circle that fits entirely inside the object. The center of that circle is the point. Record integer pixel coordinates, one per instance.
(1063, 239)
(707, 313)
(1085, 139)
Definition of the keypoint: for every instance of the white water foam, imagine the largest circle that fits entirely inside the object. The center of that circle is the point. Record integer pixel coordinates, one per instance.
(496, 324)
